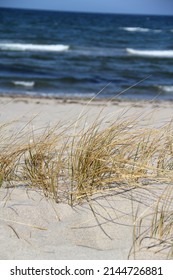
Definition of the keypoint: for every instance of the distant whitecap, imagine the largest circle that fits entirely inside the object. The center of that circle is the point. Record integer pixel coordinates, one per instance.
(140, 29)
(33, 47)
(135, 29)
(151, 53)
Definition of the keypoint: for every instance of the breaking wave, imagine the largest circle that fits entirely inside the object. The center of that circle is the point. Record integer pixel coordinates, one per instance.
(140, 29)
(32, 47)
(23, 83)
(166, 88)
(135, 29)
(151, 53)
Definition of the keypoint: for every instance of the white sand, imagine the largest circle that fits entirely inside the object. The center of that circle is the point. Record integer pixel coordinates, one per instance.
(33, 227)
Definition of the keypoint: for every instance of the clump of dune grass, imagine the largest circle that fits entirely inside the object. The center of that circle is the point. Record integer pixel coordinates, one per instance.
(90, 159)
(97, 158)
(120, 155)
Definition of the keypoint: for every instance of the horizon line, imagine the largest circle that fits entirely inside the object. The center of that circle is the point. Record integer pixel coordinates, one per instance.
(85, 12)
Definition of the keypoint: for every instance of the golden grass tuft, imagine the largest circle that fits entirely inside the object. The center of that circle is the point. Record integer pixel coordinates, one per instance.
(73, 164)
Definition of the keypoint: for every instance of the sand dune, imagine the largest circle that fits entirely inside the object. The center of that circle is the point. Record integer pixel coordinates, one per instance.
(35, 227)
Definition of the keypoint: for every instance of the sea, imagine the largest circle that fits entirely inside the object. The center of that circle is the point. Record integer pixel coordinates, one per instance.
(67, 54)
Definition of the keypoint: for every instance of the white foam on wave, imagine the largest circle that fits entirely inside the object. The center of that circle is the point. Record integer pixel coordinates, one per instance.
(135, 29)
(151, 53)
(33, 47)
(140, 29)
(166, 88)
(24, 83)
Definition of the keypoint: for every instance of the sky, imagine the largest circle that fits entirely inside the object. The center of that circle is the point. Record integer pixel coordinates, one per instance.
(155, 7)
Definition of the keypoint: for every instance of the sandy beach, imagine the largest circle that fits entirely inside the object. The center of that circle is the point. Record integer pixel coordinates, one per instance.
(35, 227)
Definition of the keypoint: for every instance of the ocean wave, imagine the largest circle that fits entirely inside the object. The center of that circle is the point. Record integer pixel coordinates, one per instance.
(151, 53)
(24, 83)
(135, 29)
(140, 29)
(33, 47)
(166, 88)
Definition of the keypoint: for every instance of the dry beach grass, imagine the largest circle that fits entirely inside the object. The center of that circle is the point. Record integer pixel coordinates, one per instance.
(87, 162)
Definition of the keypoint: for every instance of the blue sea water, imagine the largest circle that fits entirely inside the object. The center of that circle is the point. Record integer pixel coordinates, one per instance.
(61, 54)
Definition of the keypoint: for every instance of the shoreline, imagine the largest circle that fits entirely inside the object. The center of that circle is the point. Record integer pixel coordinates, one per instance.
(70, 99)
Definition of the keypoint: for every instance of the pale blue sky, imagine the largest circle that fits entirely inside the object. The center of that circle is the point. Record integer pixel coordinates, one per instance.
(164, 7)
